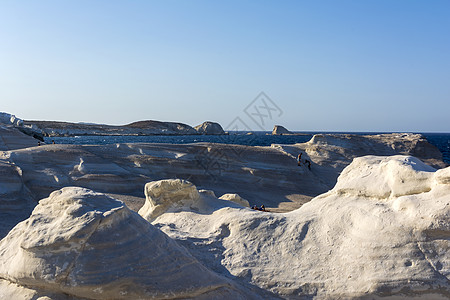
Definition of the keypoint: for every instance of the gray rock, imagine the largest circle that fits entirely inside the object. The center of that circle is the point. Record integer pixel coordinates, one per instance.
(12, 120)
(278, 130)
(150, 127)
(85, 244)
(210, 128)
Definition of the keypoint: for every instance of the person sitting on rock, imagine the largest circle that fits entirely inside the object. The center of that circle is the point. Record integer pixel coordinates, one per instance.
(299, 159)
(263, 208)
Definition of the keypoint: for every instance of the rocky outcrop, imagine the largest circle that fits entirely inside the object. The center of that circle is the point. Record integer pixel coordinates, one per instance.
(11, 138)
(16, 201)
(235, 198)
(81, 244)
(17, 123)
(383, 231)
(161, 195)
(278, 130)
(51, 128)
(209, 128)
(255, 173)
(10, 119)
(329, 154)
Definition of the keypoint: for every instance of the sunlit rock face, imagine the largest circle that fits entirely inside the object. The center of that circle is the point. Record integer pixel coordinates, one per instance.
(209, 127)
(383, 230)
(84, 244)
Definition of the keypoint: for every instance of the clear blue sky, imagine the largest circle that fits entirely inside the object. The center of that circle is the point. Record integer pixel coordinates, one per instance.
(328, 65)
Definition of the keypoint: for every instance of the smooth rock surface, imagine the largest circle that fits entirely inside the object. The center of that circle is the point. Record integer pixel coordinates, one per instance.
(84, 244)
(236, 199)
(383, 231)
(12, 121)
(11, 138)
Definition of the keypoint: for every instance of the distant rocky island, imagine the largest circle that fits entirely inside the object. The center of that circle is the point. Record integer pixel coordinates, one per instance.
(149, 127)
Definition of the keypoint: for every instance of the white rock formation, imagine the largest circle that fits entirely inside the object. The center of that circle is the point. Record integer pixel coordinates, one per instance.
(16, 201)
(235, 198)
(82, 244)
(12, 120)
(383, 231)
(52, 128)
(11, 138)
(9, 119)
(209, 127)
(278, 129)
(176, 195)
(163, 194)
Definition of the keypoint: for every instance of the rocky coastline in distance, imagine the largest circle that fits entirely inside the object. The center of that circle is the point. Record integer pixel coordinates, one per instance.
(149, 127)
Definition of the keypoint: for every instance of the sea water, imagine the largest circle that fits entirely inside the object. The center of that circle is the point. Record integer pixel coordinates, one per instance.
(260, 138)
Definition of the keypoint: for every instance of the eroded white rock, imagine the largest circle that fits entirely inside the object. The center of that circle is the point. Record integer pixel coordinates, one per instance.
(384, 230)
(84, 244)
(235, 198)
(160, 195)
(278, 129)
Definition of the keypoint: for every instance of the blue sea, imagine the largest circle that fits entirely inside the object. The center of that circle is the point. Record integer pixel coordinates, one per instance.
(259, 138)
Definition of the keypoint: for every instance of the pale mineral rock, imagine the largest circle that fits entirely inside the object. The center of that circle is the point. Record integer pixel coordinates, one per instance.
(12, 120)
(383, 231)
(380, 227)
(210, 128)
(83, 244)
(235, 198)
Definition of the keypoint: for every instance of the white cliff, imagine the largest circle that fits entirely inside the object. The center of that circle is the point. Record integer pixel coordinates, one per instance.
(261, 175)
(383, 230)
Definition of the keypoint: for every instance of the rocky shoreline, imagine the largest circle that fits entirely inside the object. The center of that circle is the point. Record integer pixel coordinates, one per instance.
(357, 217)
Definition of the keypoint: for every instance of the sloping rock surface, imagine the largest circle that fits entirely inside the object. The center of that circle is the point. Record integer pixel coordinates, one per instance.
(84, 244)
(383, 231)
